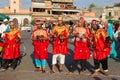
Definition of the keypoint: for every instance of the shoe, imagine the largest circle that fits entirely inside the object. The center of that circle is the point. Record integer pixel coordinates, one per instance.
(61, 70)
(2, 70)
(70, 73)
(38, 69)
(106, 74)
(81, 72)
(52, 71)
(43, 71)
(11, 69)
(95, 74)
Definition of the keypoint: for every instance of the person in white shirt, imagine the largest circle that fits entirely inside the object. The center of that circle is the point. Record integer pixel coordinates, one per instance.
(3, 27)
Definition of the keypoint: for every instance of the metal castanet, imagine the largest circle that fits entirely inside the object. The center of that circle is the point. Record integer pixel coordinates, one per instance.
(61, 38)
(55, 35)
(39, 38)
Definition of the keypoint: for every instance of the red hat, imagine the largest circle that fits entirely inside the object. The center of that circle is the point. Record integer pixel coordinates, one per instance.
(94, 21)
(37, 21)
(119, 25)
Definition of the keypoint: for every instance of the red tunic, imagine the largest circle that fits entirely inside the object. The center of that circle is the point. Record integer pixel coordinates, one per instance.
(58, 46)
(40, 48)
(101, 50)
(11, 48)
(81, 50)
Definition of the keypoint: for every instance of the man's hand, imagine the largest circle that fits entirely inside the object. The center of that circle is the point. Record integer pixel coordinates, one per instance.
(17, 39)
(55, 35)
(40, 38)
(3, 40)
(61, 38)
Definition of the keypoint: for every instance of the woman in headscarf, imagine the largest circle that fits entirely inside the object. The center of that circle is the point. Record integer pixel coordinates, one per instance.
(113, 53)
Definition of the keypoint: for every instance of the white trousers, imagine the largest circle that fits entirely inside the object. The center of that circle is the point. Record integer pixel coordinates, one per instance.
(61, 58)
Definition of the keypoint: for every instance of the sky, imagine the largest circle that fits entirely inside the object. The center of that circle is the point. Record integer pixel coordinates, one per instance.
(79, 3)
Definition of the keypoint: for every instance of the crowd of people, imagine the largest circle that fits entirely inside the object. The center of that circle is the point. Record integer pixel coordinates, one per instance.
(102, 36)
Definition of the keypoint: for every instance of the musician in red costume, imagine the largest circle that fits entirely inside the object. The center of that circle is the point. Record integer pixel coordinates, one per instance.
(81, 50)
(101, 48)
(59, 40)
(11, 44)
(40, 38)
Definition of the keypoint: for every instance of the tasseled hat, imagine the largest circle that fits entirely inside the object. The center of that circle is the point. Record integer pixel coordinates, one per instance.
(94, 21)
(81, 18)
(38, 21)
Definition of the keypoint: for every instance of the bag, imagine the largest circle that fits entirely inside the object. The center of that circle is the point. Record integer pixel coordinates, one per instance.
(8, 29)
(1, 48)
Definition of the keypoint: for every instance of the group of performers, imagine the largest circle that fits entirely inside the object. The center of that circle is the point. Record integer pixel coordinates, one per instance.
(101, 43)
(98, 37)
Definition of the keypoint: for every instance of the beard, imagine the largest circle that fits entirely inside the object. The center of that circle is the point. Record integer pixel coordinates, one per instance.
(80, 25)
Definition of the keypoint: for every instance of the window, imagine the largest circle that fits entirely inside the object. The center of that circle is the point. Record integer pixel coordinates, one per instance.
(14, 2)
(110, 14)
(116, 13)
(38, 10)
(14, 10)
(38, 0)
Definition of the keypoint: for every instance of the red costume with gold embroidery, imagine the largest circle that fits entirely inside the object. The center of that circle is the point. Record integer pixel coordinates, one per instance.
(58, 45)
(81, 50)
(11, 47)
(101, 46)
(40, 47)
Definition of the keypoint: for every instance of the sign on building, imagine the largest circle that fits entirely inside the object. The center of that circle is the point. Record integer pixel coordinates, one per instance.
(38, 4)
(62, 0)
(56, 5)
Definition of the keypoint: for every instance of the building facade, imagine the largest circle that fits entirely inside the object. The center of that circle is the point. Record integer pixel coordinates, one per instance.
(113, 12)
(50, 9)
(110, 12)
(18, 15)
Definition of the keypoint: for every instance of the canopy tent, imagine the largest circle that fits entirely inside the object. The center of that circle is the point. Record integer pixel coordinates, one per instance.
(3, 16)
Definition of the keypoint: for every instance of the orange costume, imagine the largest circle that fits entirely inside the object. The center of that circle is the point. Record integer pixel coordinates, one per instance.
(40, 47)
(81, 50)
(101, 45)
(11, 47)
(58, 45)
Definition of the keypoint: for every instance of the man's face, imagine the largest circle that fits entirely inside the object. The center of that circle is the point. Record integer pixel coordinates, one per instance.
(80, 23)
(119, 28)
(6, 22)
(12, 26)
(39, 26)
(94, 26)
(59, 22)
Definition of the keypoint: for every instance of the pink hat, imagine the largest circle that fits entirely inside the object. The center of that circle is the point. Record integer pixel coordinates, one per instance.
(94, 21)
(82, 19)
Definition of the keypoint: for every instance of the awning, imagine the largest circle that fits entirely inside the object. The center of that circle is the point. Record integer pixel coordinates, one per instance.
(66, 10)
(3, 16)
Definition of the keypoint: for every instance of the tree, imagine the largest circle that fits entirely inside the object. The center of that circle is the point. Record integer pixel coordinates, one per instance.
(91, 6)
(32, 21)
